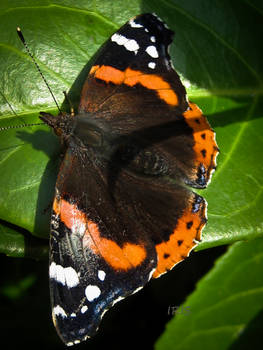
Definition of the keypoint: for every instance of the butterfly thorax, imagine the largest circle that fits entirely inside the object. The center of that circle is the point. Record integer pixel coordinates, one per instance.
(84, 132)
(80, 129)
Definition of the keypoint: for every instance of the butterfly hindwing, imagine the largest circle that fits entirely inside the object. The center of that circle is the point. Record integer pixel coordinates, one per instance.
(106, 248)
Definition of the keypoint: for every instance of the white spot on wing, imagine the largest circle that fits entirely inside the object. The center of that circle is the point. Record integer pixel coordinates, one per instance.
(66, 276)
(84, 309)
(152, 65)
(101, 275)
(151, 50)
(71, 277)
(119, 39)
(132, 45)
(92, 292)
(153, 39)
(129, 44)
(59, 275)
(52, 270)
(134, 24)
(59, 311)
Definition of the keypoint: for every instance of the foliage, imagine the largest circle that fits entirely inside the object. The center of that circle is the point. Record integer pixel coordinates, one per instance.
(217, 50)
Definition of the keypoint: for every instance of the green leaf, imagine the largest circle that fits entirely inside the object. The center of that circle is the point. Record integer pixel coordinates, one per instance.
(217, 50)
(12, 242)
(17, 242)
(225, 308)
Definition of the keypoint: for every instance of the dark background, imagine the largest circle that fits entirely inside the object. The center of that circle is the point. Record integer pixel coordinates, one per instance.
(135, 322)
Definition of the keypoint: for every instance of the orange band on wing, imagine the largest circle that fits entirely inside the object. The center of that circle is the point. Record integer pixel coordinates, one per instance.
(119, 258)
(127, 257)
(205, 146)
(182, 240)
(108, 74)
(132, 77)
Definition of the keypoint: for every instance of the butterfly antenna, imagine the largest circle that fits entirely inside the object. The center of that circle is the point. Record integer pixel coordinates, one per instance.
(19, 126)
(13, 111)
(21, 37)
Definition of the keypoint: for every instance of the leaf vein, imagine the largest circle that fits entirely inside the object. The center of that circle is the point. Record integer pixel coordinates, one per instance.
(26, 187)
(230, 298)
(9, 154)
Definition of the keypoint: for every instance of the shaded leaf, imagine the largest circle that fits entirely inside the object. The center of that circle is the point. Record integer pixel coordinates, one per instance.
(225, 304)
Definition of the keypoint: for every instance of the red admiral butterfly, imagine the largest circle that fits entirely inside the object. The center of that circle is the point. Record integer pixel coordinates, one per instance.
(123, 212)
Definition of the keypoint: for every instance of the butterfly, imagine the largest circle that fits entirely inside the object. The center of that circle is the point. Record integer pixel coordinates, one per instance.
(123, 211)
